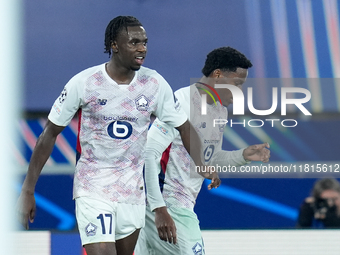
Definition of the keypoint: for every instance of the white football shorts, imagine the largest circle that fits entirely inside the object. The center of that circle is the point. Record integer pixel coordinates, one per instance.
(189, 236)
(106, 221)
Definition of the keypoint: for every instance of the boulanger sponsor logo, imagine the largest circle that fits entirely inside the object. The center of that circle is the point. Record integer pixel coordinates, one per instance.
(213, 141)
(119, 129)
(208, 152)
(239, 102)
(111, 118)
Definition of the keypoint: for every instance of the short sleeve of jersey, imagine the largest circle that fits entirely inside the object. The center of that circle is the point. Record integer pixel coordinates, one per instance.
(162, 132)
(68, 103)
(169, 109)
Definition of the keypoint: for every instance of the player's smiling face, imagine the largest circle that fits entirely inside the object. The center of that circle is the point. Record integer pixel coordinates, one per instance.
(236, 78)
(130, 47)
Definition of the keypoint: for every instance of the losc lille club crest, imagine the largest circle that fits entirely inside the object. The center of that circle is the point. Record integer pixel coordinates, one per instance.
(142, 103)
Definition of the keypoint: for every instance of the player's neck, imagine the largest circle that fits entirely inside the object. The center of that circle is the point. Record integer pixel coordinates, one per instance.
(119, 74)
(208, 81)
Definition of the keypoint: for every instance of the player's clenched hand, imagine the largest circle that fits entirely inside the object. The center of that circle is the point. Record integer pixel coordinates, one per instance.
(26, 208)
(257, 152)
(215, 181)
(165, 225)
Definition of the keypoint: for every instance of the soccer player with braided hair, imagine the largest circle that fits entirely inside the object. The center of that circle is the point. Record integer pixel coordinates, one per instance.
(171, 225)
(114, 101)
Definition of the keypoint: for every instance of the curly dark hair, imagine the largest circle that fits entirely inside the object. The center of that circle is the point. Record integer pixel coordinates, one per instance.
(226, 59)
(115, 27)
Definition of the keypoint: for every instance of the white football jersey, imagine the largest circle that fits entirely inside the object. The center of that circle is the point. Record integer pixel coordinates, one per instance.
(181, 184)
(113, 126)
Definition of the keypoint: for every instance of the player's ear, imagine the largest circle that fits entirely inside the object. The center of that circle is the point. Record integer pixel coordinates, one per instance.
(114, 46)
(216, 73)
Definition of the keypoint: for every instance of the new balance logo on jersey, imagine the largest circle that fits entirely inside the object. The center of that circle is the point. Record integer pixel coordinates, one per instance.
(91, 229)
(101, 101)
(203, 125)
(177, 104)
(142, 103)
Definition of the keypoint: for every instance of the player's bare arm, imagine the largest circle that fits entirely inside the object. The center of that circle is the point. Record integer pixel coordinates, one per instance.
(257, 152)
(192, 144)
(26, 202)
(189, 135)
